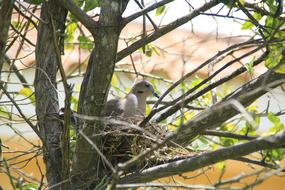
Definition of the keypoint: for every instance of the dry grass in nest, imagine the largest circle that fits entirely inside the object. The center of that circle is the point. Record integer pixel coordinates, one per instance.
(125, 139)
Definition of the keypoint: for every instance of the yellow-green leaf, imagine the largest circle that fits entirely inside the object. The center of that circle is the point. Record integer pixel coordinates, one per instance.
(159, 10)
(27, 92)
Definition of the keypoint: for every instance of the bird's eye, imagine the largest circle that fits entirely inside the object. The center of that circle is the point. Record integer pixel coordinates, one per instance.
(140, 92)
(147, 85)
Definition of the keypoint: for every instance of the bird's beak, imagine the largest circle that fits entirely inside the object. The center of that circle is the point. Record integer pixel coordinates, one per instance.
(155, 94)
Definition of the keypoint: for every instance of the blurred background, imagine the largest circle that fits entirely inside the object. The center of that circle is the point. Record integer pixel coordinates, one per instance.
(162, 62)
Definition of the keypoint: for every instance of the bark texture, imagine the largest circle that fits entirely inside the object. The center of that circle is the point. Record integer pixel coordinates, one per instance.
(46, 90)
(5, 20)
(87, 167)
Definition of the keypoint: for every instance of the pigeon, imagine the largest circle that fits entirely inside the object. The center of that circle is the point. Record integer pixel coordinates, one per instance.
(134, 104)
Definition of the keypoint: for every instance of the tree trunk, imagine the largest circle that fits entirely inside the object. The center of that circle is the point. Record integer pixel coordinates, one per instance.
(5, 20)
(87, 167)
(46, 90)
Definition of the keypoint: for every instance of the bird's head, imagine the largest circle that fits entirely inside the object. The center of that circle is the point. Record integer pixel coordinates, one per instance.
(144, 88)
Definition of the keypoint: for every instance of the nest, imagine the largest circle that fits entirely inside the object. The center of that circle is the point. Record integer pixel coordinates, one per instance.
(124, 139)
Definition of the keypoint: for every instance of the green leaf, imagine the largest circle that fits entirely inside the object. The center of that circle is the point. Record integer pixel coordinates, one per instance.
(4, 113)
(195, 81)
(248, 25)
(274, 154)
(70, 30)
(74, 101)
(149, 49)
(278, 126)
(249, 66)
(27, 92)
(274, 119)
(204, 140)
(228, 127)
(220, 165)
(160, 10)
(248, 129)
(30, 186)
(274, 58)
(228, 141)
(85, 42)
(91, 4)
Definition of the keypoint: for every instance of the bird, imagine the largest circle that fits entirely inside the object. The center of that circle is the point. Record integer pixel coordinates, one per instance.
(134, 103)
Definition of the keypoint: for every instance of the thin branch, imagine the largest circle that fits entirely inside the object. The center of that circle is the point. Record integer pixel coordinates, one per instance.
(20, 111)
(227, 135)
(86, 20)
(25, 16)
(65, 137)
(164, 30)
(258, 162)
(148, 17)
(144, 11)
(186, 101)
(32, 14)
(22, 36)
(7, 167)
(98, 151)
(219, 56)
(264, 177)
(238, 178)
(21, 77)
(224, 110)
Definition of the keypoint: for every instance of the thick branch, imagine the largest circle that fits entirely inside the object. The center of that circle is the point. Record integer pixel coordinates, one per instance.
(164, 30)
(86, 20)
(219, 113)
(200, 161)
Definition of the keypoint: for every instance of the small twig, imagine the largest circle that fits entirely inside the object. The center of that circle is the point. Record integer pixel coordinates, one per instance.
(34, 15)
(258, 162)
(144, 11)
(20, 112)
(244, 113)
(238, 178)
(9, 174)
(98, 151)
(264, 177)
(25, 16)
(228, 135)
(67, 112)
(148, 17)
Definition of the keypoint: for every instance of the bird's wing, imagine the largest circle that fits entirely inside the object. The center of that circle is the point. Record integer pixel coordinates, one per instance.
(113, 108)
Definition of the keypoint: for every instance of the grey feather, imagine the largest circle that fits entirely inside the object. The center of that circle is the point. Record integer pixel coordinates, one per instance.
(133, 104)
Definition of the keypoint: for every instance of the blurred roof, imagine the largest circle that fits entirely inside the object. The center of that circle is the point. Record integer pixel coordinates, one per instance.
(174, 55)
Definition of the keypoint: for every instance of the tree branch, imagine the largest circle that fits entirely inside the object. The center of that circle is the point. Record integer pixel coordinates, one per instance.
(220, 112)
(144, 11)
(86, 20)
(164, 30)
(196, 162)
(186, 101)
(258, 162)
(5, 19)
(227, 134)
